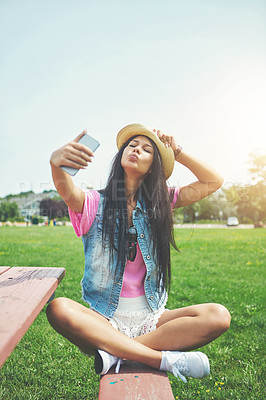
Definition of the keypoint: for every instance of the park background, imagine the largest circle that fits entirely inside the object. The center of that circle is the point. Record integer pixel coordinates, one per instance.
(195, 69)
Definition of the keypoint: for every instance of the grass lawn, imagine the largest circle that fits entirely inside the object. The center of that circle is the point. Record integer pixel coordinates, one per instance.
(222, 266)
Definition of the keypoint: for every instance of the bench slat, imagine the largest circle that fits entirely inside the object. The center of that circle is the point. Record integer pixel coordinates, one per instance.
(24, 291)
(3, 269)
(135, 381)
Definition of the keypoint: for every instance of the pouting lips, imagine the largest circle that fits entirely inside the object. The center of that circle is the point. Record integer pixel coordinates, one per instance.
(133, 157)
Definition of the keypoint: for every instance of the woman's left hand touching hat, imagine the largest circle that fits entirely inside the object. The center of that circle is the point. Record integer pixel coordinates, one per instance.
(169, 141)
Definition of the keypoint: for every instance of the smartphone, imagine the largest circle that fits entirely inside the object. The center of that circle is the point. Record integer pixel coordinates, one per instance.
(88, 141)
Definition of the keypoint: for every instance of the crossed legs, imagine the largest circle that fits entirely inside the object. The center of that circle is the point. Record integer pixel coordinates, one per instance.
(181, 329)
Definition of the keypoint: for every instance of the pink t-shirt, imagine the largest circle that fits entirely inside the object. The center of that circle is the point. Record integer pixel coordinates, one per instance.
(135, 271)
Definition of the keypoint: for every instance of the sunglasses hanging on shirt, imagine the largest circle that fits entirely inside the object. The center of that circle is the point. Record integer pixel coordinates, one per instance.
(132, 243)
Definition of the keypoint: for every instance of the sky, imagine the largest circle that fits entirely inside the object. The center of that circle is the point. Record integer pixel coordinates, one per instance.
(195, 69)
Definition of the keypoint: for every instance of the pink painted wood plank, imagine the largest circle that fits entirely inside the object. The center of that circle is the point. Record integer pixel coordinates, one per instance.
(3, 269)
(135, 381)
(24, 291)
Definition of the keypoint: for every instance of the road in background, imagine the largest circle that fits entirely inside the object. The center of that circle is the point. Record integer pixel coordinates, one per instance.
(212, 226)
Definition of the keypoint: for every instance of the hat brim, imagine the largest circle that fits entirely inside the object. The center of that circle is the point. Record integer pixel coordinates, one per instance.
(166, 153)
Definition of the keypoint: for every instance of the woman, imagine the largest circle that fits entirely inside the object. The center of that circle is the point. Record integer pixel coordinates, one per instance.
(126, 231)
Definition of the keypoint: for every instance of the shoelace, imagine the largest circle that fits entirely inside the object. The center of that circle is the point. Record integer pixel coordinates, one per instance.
(178, 367)
(117, 368)
(178, 374)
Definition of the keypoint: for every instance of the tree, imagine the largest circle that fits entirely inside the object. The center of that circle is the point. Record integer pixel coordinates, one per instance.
(53, 208)
(8, 211)
(187, 212)
(250, 200)
(21, 194)
(254, 205)
(232, 196)
(209, 208)
(257, 167)
(258, 189)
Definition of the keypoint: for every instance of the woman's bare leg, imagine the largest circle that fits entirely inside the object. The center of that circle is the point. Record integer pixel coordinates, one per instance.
(90, 331)
(188, 328)
(181, 329)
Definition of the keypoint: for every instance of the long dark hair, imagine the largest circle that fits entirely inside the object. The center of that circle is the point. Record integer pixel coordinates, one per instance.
(153, 192)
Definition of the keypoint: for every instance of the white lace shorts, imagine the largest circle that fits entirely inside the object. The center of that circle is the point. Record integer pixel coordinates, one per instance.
(134, 316)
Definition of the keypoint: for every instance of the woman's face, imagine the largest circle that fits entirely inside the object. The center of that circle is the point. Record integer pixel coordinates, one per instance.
(137, 157)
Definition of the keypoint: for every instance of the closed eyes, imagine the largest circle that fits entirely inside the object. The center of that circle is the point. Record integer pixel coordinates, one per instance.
(145, 148)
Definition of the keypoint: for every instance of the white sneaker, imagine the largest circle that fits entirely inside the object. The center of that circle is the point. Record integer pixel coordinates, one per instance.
(103, 361)
(193, 364)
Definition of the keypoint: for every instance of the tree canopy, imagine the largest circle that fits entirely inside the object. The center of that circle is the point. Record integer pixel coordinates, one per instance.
(9, 211)
(53, 208)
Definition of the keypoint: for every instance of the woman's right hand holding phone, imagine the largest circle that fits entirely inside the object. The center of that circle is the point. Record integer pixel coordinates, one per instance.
(73, 154)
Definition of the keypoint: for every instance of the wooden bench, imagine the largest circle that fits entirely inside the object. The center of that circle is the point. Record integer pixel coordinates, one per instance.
(135, 381)
(24, 291)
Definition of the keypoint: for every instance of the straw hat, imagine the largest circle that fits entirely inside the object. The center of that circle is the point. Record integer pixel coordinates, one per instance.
(167, 154)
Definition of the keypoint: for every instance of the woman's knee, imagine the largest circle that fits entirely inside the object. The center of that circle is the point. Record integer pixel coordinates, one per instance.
(58, 311)
(219, 318)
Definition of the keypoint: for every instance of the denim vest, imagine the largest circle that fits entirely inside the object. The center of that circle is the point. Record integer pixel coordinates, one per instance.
(102, 283)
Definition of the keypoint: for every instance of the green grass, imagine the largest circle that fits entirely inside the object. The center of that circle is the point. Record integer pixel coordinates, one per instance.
(222, 266)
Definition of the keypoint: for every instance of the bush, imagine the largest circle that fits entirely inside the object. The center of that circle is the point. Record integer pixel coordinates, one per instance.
(34, 220)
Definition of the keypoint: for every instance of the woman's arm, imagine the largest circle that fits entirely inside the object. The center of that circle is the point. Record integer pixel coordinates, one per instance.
(208, 179)
(74, 155)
